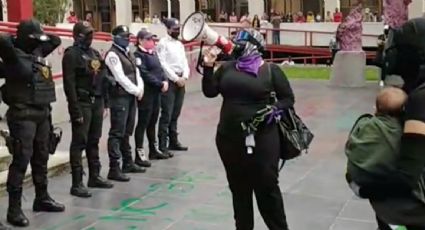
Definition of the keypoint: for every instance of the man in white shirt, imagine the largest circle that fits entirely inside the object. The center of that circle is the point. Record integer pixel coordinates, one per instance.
(127, 87)
(173, 59)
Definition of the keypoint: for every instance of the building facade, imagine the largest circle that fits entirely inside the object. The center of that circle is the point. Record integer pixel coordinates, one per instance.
(105, 14)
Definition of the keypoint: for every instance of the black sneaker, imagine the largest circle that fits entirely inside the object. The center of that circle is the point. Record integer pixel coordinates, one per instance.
(177, 146)
(132, 168)
(141, 159)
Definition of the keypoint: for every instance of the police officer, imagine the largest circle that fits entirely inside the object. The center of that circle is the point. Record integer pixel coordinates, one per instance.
(172, 55)
(127, 87)
(155, 83)
(28, 91)
(85, 87)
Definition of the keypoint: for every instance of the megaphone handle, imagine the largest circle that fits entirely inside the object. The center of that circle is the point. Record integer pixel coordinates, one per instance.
(200, 59)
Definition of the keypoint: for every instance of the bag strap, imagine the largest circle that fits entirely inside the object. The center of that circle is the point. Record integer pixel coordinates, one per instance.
(273, 99)
(367, 115)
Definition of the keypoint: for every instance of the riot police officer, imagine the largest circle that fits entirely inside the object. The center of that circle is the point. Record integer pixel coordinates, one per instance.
(126, 88)
(28, 91)
(85, 87)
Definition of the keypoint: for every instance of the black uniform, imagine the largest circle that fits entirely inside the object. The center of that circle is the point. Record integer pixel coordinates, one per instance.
(28, 91)
(123, 106)
(154, 77)
(257, 173)
(85, 85)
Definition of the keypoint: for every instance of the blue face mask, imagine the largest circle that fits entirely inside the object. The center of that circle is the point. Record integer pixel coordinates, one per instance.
(122, 42)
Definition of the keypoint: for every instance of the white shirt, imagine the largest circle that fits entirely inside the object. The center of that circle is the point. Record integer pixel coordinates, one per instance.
(115, 66)
(172, 56)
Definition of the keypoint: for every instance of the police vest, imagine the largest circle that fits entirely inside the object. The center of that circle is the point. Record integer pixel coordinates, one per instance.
(88, 73)
(129, 67)
(30, 82)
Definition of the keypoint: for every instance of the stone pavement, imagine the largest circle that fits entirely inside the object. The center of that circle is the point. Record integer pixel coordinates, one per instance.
(189, 192)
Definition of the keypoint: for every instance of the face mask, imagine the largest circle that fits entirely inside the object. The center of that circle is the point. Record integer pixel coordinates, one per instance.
(85, 41)
(149, 44)
(122, 42)
(175, 34)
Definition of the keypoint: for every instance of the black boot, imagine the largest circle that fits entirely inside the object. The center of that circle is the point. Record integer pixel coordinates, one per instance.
(176, 145)
(3, 227)
(44, 203)
(78, 189)
(141, 159)
(15, 216)
(116, 174)
(130, 167)
(95, 180)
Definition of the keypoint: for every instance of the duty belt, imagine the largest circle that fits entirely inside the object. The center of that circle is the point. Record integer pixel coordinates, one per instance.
(85, 96)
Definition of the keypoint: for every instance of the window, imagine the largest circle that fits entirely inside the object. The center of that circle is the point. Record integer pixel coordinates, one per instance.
(373, 5)
(140, 8)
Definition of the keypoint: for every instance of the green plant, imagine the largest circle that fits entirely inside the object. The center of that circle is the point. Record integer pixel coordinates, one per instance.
(50, 12)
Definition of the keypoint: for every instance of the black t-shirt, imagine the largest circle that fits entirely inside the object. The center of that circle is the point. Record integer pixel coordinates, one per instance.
(245, 94)
(415, 106)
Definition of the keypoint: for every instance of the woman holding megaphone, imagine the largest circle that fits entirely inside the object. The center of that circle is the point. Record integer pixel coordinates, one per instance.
(250, 158)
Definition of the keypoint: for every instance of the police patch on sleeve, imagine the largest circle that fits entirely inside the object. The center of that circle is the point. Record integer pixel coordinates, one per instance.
(114, 60)
(138, 61)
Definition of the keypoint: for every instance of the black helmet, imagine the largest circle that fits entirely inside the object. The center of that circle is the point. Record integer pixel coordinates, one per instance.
(29, 35)
(83, 34)
(121, 30)
(82, 29)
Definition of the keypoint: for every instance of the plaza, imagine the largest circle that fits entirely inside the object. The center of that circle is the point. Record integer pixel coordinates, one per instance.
(189, 192)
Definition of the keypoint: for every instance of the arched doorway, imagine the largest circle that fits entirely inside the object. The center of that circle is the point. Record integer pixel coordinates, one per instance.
(375, 6)
(313, 6)
(140, 8)
(101, 13)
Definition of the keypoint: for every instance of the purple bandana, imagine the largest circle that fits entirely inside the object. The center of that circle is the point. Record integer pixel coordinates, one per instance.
(249, 64)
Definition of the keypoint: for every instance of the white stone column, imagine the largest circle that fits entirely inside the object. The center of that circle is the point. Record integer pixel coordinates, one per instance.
(330, 5)
(4, 10)
(255, 7)
(417, 8)
(123, 12)
(186, 8)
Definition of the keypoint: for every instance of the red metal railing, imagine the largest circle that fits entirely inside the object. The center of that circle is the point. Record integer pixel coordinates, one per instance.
(307, 33)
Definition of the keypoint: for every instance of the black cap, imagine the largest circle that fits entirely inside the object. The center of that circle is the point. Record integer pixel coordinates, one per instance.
(31, 28)
(144, 34)
(172, 23)
(121, 31)
(82, 27)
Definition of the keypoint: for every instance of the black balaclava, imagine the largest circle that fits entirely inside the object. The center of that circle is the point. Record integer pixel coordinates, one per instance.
(29, 36)
(83, 34)
(405, 55)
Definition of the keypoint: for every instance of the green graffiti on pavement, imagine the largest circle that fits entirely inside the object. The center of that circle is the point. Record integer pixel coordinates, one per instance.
(182, 184)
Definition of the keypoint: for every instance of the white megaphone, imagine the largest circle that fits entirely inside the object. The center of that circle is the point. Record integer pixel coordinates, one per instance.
(195, 28)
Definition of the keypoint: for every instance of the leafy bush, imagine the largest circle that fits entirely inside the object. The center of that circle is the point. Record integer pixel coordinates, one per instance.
(50, 12)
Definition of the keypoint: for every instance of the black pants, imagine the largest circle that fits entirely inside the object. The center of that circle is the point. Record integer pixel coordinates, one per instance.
(30, 128)
(384, 226)
(256, 173)
(147, 118)
(86, 136)
(334, 51)
(123, 112)
(171, 106)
